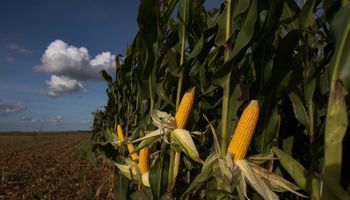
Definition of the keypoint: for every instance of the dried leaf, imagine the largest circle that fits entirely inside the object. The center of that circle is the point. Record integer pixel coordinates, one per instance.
(255, 181)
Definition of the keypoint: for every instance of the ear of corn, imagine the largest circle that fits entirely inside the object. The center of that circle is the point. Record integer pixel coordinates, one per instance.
(131, 147)
(144, 165)
(244, 131)
(185, 107)
(143, 160)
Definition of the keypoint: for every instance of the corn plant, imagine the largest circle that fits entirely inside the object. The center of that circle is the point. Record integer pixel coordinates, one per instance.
(247, 100)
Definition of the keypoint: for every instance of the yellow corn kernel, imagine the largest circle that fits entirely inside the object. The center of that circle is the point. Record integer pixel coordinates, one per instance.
(185, 107)
(131, 147)
(143, 160)
(244, 131)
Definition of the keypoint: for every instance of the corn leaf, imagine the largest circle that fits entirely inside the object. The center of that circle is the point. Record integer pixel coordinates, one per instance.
(306, 14)
(337, 116)
(299, 109)
(277, 183)
(255, 181)
(204, 175)
(158, 176)
(121, 187)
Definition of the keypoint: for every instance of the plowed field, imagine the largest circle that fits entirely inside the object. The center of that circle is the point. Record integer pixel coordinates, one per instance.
(51, 166)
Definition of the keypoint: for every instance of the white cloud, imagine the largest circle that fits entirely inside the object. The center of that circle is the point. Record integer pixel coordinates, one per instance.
(17, 48)
(61, 85)
(30, 120)
(57, 119)
(73, 62)
(7, 108)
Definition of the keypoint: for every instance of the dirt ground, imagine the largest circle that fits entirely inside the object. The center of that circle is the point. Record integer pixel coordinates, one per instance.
(51, 166)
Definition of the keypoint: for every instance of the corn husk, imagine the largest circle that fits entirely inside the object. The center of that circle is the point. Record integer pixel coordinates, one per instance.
(183, 138)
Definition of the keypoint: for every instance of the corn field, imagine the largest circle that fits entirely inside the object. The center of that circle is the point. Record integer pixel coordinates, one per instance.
(244, 101)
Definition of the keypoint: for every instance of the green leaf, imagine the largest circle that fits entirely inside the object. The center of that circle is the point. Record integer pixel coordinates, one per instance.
(283, 67)
(148, 29)
(158, 176)
(247, 31)
(337, 116)
(106, 76)
(293, 167)
(162, 94)
(197, 49)
(268, 126)
(306, 14)
(299, 109)
(220, 38)
(309, 89)
(289, 14)
(144, 194)
(336, 188)
(340, 27)
(121, 187)
(184, 13)
(241, 7)
(204, 175)
(288, 145)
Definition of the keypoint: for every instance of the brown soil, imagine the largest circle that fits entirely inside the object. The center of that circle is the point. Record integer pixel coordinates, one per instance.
(51, 166)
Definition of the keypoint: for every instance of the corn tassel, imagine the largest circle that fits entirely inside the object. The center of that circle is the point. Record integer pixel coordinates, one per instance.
(131, 147)
(143, 160)
(184, 110)
(244, 131)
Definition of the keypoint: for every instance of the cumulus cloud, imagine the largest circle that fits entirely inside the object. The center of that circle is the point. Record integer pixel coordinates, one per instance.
(57, 119)
(70, 66)
(60, 86)
(7, 108)
(73, 62)
(17, 48)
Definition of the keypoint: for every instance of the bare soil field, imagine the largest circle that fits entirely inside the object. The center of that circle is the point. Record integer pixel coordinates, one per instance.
(51, 166)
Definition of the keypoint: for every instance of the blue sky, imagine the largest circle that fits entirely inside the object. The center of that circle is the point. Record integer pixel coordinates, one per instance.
(50, 55)
(28, 27)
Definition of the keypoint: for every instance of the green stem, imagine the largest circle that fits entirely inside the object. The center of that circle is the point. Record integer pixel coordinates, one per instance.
(182, 59)
(226, 86)
(228, 20)
(178, 92)
(224, 117)
(151, 96)
(171, 179)
(311, 122)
